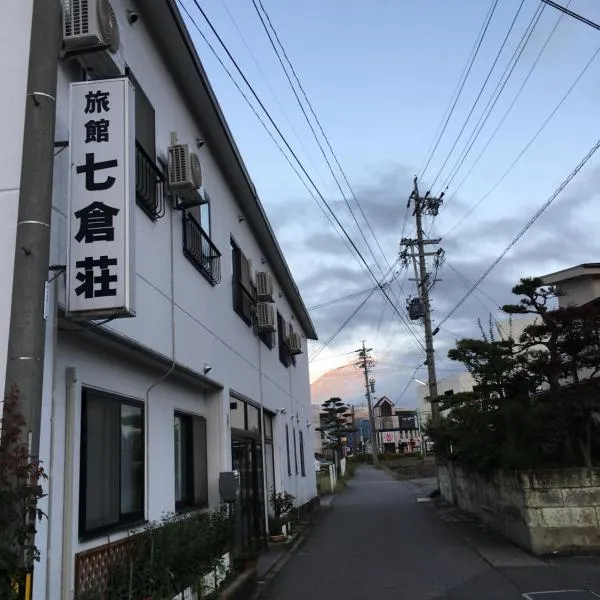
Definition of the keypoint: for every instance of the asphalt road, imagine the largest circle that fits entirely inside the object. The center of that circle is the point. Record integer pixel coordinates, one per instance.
(378, 543)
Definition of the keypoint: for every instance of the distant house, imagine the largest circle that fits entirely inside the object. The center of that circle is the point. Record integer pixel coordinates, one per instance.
(448, 386)
(397, 430)
(577, 286)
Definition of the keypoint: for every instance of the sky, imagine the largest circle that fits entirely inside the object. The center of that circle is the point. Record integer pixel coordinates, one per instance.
(381, 77)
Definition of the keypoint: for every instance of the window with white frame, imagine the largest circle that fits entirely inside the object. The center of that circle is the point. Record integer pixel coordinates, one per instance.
(111, 483)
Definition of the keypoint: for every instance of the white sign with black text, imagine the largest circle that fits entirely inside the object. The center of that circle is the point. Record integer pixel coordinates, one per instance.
(101, 267)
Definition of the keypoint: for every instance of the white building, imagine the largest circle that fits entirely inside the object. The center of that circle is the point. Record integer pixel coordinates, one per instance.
(189, 380)
(459, 382)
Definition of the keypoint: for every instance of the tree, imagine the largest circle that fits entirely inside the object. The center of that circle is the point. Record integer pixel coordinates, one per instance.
(561, 347)
(533, 403)
(335, 423)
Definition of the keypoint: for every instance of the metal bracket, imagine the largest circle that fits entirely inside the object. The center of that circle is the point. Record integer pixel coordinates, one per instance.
(58, 269)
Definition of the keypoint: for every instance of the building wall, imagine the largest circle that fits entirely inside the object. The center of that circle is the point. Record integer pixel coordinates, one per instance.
(15, 34)
(579, 291)
(460, 382)
(180, 317)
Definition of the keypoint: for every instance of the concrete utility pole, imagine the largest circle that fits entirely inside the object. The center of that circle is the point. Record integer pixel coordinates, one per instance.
(365, 362)
(415, 250)
(25, 364)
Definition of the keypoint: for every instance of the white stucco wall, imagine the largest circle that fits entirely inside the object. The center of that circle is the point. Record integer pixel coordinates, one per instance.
(460, 382)
(15, 33)
(578, 291)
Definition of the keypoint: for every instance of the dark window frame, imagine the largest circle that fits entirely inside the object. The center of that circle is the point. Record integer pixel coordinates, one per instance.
(126, 520)
(150, 177)
(295, 451)
(287, 447)
(284, 353)
(199, 249)
(242, 295)
(244, 405)
(302, 458)
(189, 502)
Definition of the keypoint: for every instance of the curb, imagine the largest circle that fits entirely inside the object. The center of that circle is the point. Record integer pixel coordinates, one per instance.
(264, 584)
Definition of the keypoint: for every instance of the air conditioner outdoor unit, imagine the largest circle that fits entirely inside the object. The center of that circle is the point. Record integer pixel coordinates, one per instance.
(91, 35)
(265, 316)
(264, 287)
(185, 175)
(294, 342)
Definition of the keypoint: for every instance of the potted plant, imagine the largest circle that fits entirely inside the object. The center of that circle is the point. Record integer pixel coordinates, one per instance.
(281, 503)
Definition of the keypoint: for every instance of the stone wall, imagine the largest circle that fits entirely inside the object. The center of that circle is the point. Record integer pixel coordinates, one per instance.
(541, 511)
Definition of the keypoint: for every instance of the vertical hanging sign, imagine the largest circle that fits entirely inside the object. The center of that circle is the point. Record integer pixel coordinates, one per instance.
(101, 267)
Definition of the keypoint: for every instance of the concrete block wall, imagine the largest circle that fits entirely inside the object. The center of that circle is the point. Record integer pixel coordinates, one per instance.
(541, 511)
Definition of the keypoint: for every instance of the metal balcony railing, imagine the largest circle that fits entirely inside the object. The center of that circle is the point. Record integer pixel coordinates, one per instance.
(149, 184)
(200, 250)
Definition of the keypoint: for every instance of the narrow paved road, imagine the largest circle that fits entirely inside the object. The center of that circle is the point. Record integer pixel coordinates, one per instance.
(378, 543)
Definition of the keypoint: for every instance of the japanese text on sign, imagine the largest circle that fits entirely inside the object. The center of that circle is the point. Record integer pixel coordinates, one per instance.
(101, 268)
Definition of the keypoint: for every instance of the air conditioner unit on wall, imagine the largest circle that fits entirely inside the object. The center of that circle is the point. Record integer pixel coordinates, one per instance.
(91, 36)
(264, 286)
(185, 175)
(265, 317)
(294, 342)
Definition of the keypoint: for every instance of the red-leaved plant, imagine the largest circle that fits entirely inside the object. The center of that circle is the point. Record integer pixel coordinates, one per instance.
(20, 489)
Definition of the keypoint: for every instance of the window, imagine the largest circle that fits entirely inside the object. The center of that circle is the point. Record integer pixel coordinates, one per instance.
(149, 178)
(302, 463)
(269, 454)
(199, 249)
(295, 451)
(287, 447)
(204, 214)
(243, 298)
(191, 482)
(284, 353)
(111, 493)
(292, 356)
(244, 415)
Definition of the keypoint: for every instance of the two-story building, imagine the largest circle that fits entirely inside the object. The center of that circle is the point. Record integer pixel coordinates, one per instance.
(176, 335)
(397, 430)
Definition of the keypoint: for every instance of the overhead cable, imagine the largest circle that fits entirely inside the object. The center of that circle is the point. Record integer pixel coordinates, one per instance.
(493, 100)
(465, 76)
(521, 233)
(481, 90)
(506, 113)
(525, 148)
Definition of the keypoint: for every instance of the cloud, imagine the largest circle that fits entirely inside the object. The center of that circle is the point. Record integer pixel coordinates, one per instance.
(563, 236)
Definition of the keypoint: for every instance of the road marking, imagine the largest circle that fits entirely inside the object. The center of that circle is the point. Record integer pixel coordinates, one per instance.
(551, 594)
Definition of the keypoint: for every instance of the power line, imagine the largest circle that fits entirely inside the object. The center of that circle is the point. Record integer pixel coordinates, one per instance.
(531, 221)
(266, 128)
(270, 37)
(572, 14)
(341, 299)
(493, 100)
(350, 317)
(273, 93)
(481, 90)
(478, 43)
(527, 146)
(506, 114)
(469, 283)
(318, 122)
(301, 166)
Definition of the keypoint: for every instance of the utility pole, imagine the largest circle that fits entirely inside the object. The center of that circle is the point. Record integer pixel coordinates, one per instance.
(420, 308)
(25, 356)
(25, 364)
(365, 362)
